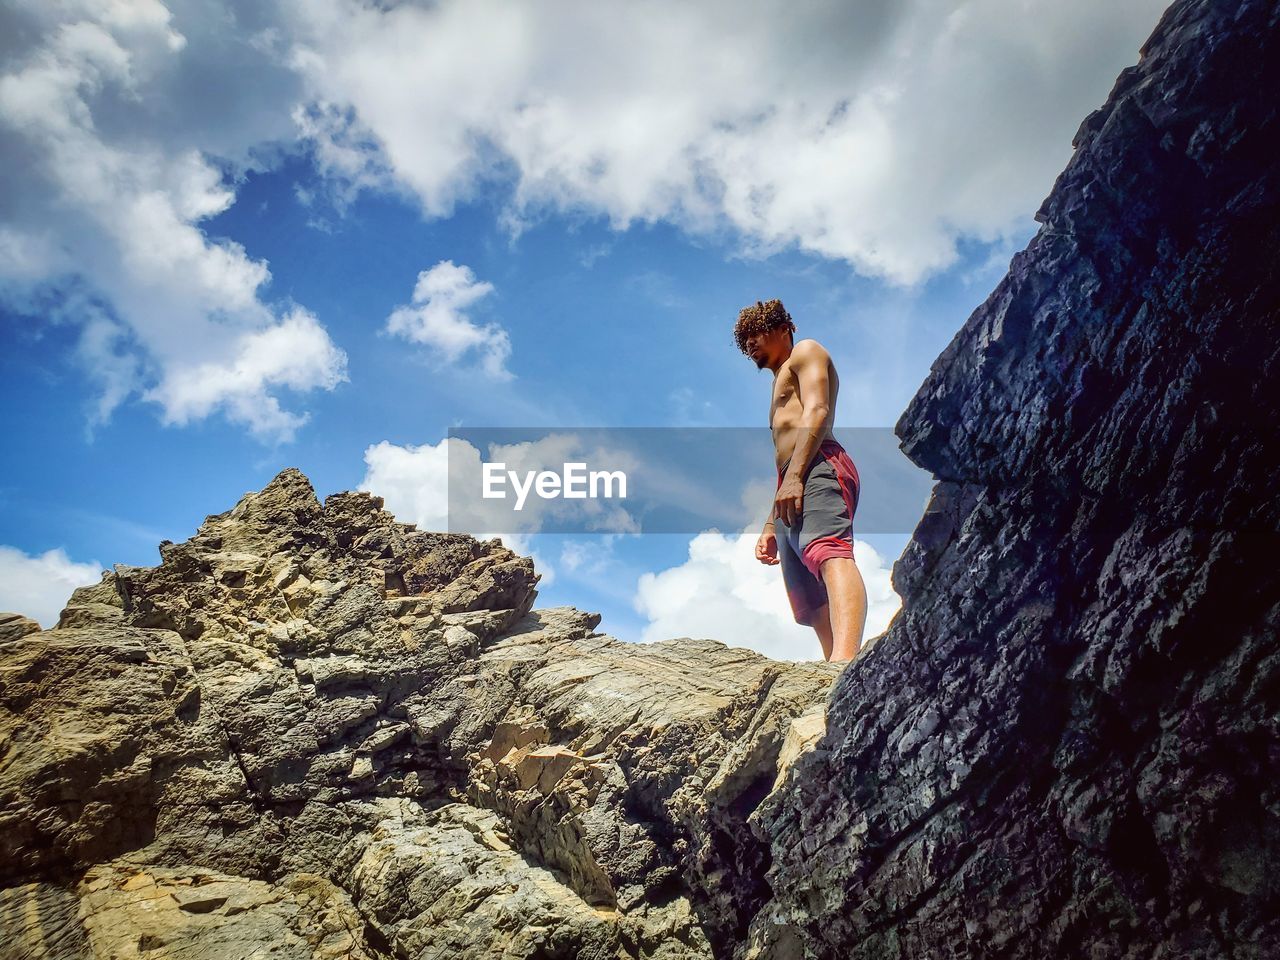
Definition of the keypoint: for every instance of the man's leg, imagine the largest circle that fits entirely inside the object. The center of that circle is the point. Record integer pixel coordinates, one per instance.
(822, 627)
(846, 612)
(805, 592)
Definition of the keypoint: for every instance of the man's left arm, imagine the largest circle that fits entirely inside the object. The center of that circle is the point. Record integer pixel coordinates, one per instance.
(809, 364)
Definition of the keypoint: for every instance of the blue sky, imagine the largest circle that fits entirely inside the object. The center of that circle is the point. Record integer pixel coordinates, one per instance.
(211, 221)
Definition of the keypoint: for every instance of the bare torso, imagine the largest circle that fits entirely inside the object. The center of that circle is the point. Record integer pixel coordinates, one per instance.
(787, 405)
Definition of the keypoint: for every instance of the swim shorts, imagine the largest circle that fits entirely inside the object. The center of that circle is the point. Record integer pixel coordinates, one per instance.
(823, 530)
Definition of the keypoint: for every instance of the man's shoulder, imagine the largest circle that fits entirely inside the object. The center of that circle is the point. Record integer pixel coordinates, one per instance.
(808, 349)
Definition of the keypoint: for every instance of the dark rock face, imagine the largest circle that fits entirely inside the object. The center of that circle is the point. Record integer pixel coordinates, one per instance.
(1068, 743)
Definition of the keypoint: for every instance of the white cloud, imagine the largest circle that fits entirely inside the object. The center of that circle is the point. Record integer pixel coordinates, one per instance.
(412, 480)
(294, 353)
(437, 318)
(346, 155)
(39, 586)
(723, 592)
(878, 133)
(109, 173)
(874, 132)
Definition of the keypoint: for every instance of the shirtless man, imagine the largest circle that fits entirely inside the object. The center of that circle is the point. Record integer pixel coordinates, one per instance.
(810, 528)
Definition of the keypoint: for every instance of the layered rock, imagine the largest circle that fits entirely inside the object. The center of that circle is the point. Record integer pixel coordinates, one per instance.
(318, 732)
(1068, 743)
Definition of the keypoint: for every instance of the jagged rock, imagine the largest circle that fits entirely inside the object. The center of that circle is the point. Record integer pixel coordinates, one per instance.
(353, 738)
(579, 734)
(14, 626)
(1068, 743)
(102, 729)
(448, 884)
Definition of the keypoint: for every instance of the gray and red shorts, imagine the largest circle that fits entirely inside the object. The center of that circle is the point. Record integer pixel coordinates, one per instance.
(824, 529)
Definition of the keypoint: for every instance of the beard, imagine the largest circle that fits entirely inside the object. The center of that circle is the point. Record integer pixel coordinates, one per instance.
(760, 362)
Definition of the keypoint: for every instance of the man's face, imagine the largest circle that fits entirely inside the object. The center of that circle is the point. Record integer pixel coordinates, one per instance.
(761, 347)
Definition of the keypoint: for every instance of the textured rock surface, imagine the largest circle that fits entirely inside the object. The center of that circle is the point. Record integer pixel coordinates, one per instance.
(1067, 744)
(121, 909)
(315, 732)
(13, 626)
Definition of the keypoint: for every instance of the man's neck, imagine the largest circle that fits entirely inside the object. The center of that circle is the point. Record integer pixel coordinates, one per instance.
(782, 358)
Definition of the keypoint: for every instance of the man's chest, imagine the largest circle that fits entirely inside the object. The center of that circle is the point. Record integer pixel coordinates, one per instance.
(786, 392)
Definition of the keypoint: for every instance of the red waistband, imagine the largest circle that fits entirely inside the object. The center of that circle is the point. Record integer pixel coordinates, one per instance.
(827, 447)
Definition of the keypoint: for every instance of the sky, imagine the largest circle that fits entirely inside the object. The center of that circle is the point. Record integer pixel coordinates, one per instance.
(242, 236)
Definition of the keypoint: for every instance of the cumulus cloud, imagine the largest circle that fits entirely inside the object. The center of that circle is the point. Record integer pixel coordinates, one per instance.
(877, 133)
(38, 586)
(412, 480)
(872, 132)
(437, 318)
(295, 353)
(111, 167)
(723, 592)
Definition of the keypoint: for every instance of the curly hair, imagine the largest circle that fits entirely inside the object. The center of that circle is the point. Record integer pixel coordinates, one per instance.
(759, 318)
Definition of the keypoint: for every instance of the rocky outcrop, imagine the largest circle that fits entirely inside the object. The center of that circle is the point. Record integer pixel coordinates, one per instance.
(313, 731)
(14, 625)
(1068, 742)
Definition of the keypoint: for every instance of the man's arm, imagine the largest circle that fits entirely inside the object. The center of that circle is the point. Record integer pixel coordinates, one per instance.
(810, 364)
(767, 545)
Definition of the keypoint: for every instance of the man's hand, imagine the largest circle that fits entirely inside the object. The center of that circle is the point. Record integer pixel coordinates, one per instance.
(789, 501)
(767, 547)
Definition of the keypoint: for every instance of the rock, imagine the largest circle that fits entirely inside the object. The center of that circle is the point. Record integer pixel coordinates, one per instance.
(580, 733)
(447, 884)
(121, 910)
(1067, 743)
(307, 710)
(99, 603)
(803, 735)
(103, 732)
(14, 626)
